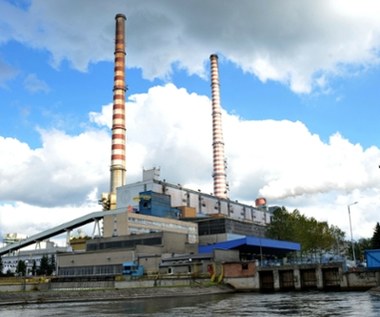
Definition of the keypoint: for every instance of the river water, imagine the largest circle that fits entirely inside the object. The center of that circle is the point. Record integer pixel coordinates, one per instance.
(316, 304)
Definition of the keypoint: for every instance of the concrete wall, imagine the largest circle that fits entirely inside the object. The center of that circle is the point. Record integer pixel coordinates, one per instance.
(213, 238)
(239, 269)
(329, 277)
(111, 227)
(194, 269)
(24, 285)
(149, 257)
(133, 223)
(150, 263)
(142, 250)
(95, 258)
(82, 285)
(163, 282)
(361, 280)
(244, 283)
(226, 255)
(178, 243)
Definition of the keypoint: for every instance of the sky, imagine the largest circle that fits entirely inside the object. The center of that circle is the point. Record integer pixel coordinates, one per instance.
(299, 91)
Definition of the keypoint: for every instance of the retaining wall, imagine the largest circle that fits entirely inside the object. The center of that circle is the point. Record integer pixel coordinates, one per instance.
(306, 277)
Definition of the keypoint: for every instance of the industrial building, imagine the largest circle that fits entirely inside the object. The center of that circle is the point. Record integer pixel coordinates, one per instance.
(168, 228)
(156, 197)
(105, 256)
(160, 224)
(31, 257)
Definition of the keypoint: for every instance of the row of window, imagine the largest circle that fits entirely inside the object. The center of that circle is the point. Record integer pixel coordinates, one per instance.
(123, 244)
(91, 270)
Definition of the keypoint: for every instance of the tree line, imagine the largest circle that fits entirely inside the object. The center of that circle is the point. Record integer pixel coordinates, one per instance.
(317, 236)
(46, 267)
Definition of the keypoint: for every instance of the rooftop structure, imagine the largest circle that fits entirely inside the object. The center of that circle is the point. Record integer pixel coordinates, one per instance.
(10, 238)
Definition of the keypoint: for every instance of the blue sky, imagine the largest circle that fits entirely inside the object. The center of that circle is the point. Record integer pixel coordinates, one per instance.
(299, 89)
(350, 107)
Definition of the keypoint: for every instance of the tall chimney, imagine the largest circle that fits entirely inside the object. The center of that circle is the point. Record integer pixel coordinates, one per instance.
(219, 171)
(118, 166)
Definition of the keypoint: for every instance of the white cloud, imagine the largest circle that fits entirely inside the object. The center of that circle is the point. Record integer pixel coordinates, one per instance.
(6, 73)
(166, 126)
(62, 172)
(20, 217)
(33, 84)
(171, 128)
(286, 43)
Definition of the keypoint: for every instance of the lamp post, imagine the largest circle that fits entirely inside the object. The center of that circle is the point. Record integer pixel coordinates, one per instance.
(352, 239)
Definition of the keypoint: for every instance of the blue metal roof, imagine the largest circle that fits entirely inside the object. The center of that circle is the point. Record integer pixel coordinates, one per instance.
(251, 243)
(372, 258)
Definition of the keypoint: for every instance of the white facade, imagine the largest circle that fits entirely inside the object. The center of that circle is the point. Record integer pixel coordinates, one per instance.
(128, 223)
(128, 196)
(29, 256)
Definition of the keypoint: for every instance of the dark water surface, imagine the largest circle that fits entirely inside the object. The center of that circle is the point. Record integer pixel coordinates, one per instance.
(314, 304)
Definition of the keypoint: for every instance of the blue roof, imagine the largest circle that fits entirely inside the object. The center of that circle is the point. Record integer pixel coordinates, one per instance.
(251, 243)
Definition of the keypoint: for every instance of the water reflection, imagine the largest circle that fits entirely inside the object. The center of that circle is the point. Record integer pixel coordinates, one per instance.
(347, 304)
(166, 305)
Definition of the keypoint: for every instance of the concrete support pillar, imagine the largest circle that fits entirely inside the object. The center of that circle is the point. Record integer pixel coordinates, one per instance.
(68, 233)
(319, 277)
(96, 229)
(344, 283)
(297, 279)
(276, 280)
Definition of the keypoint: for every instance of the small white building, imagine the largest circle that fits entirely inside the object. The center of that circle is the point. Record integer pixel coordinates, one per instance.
(30, 255)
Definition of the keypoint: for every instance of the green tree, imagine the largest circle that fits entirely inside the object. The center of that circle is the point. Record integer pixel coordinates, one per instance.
(1, 266)
(21, 268)
(339, 243)
(51, 265)
(375, 241)
(282, 226)
(9, 273)
(44, 266)
(360, 246)
(34, 268)
(314, 236)
(47, 265)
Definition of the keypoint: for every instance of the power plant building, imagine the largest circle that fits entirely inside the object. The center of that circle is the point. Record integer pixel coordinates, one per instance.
(175, 201)
(153, 221)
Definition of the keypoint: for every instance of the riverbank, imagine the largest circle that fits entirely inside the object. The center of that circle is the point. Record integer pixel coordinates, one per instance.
(375, 291)
(59, 296)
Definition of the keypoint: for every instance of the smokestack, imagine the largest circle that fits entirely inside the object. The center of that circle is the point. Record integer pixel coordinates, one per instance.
(219, 172)
(118, 166)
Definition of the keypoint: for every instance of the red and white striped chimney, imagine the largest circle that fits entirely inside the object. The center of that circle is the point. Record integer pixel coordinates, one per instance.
(118, 166)
(219, 172)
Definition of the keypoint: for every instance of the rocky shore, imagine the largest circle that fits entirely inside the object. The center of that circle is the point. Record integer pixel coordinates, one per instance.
(55, 296)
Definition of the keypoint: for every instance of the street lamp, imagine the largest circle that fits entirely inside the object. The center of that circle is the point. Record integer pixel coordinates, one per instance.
(352, 239)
